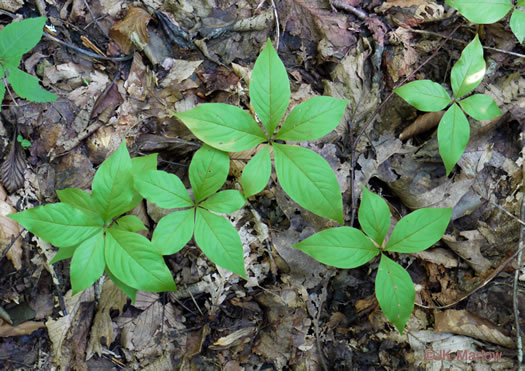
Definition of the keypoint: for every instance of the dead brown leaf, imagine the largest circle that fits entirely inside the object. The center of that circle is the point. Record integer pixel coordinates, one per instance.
(24, 328)
(423, 123)
(9, 229)
(132, 30)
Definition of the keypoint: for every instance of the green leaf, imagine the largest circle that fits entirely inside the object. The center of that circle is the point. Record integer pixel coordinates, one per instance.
(18, 38)
(163, 189)
(453, 136)
(480, 106)
(425, 95)
(419, 230)
(63, 253)
(59, 224)
(312, 119)
(269, 88)
(129, 291)
(342, 247)
(2, 93)
(469, 70)
(395, 292)
(88, 263)
(224, 202)
(308, 179)
(27, 86)
(208, 171)
(173, 232)
(223, 126)
(131, 223)
(219, 240)
(78, 198)
(144, 163)
(374, 216)
(257, 172)
(133, 260)
(112, 185)
(482, 11)
(517, 23)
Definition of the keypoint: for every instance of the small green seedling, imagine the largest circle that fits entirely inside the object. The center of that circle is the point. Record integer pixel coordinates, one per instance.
(16, 39)
(454, 130)
(90, 229)
(347, 247)
(304, 175)
(490, 11)
(215, 235)
(23, 142)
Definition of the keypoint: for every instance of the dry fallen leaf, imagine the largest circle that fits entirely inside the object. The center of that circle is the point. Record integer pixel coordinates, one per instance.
(24, 328)
(423, 123)
(9, 229)
(132, 29)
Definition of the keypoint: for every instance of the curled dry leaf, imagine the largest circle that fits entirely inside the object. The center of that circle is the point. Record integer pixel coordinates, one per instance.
(24, 328)
(12, 169)
(132, 29)
(9, 229)
(423, 123)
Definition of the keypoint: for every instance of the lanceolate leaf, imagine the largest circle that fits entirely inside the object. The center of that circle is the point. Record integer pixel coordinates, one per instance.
(257, 172)
(312, 119)
(63, 253)
(132, 259)
(112, 192)
(425, 95)
(78, 198)
(480, 106)
(269, 88)
(144, 163)
(453, 136)
(163, 189)
(223, 126)
(208, 171)
(469, 70)
(517, 22)
(419, 230)
(219, 240)
(27, 86)
(225, 202)
(482, 11)
(129, 291)
(18, 38)
(308, 179)
(374, 216)
(342, 247)
(173, 232)
(88, 263)
(59, 224)
(131, 223)
(395, 292)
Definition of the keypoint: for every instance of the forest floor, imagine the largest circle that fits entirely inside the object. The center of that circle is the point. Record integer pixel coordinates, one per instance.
(293, 312)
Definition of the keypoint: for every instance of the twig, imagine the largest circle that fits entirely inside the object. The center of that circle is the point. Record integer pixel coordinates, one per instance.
(4, 253)
(276, 16)
(95, 20)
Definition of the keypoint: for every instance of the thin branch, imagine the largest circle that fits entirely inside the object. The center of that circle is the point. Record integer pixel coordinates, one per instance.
(95, 20)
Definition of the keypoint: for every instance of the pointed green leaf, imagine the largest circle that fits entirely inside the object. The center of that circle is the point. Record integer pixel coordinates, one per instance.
(131, 223)
(342, 247)
(312, 119)
(480, 107)
(517, 23)
(374, 216)
(208, 171)
(173, 232)
(2, 93)
(419, 230)
(225, 202)
(269, 88)
(469, 70)
(219, 240)
(88, 263)
(425, 95)
(27, 86)
(133, 260)
(395, 292)
(112, 185)
(144, 163)
(18, 38)
(59, 224)
(129, 291)
(257, 172)
(482, 11)
(63, 253)
(223, 126)
(77, 198)
(308, 179)
(453, 136)
(163, 189)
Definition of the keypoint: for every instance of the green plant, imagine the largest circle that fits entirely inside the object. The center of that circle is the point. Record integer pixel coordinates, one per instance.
(490, 11)
(90, 229)
(16, 39)
(215, 235)
(304, 175)
(347, 247)
(23, 142)
(454, 130)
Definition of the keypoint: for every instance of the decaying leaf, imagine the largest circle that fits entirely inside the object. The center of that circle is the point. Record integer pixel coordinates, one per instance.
(423, 123)
(24, 328)
(9, 229)
(12, 169)
(132, 30)
(468, 246)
